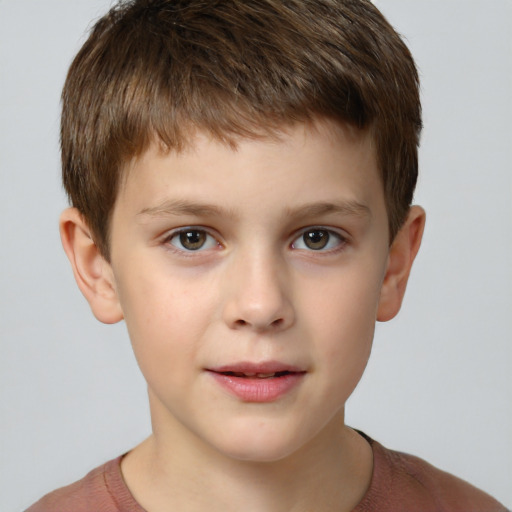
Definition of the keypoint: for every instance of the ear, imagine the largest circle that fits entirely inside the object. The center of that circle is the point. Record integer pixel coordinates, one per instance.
(402, 252)
(93, 273)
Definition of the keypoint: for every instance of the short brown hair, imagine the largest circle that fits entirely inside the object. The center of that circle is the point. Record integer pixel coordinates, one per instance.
(157, 69)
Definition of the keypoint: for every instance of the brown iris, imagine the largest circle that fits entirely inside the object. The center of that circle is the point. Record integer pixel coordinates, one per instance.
(316, 239)
(193, 239)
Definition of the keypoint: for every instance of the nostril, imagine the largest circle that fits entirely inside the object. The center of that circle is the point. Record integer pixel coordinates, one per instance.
(278, 322)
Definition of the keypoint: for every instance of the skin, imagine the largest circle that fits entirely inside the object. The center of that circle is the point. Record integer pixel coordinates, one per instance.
(255, 291)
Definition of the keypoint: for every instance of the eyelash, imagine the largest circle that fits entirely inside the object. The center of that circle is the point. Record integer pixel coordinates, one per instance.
(210, 241)
(340, 243)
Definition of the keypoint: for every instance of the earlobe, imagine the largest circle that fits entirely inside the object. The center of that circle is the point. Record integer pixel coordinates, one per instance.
(402, 252)
(92, 272)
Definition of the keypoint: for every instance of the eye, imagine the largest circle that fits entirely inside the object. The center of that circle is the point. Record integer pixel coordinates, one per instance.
(318, 239)
(191, 239)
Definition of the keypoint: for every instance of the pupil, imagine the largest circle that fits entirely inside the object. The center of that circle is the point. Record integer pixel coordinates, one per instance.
(192, 240)
(316, 239)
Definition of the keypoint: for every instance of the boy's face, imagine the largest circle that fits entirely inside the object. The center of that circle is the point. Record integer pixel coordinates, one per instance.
(250, 282)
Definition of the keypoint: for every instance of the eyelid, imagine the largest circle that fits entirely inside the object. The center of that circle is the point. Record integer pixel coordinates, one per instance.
(169, 236)
(342, 238)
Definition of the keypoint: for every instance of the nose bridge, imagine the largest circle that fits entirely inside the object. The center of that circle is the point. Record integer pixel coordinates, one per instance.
(258, 297)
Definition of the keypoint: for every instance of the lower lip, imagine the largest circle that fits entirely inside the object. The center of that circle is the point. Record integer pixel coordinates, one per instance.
(251, 389)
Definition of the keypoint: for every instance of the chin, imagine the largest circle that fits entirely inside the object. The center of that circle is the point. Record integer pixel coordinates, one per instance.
(256, 443)
(259, 454)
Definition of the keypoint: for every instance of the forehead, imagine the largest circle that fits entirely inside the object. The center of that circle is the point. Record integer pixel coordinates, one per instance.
(331, 133)
(278, 159)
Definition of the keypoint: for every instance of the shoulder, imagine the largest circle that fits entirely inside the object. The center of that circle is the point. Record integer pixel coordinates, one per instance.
(403, 482)
(96, 491)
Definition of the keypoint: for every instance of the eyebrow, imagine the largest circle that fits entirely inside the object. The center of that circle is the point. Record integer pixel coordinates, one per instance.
(183, 207)
(347, 208)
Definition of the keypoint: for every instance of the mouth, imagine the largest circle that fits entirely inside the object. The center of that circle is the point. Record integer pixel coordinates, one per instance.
(253, 375)
(265, 370)
(264, 382)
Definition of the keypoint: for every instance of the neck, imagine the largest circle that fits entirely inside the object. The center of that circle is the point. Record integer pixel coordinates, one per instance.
(331, 473)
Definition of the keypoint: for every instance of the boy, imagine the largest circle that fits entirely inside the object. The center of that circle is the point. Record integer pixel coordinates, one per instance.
(241, 175)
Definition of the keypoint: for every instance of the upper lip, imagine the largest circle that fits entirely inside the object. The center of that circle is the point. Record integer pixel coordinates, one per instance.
(246, 367)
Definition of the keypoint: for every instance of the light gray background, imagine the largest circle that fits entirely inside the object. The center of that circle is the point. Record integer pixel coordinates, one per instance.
(439, 381)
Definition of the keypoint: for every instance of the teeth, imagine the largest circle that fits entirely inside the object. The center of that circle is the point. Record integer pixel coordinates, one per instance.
(252, 375)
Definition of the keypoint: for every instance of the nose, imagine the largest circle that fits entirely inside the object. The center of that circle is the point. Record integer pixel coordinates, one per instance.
(259, 295)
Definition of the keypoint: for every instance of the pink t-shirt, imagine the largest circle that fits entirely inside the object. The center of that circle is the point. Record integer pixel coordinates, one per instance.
(400, 482)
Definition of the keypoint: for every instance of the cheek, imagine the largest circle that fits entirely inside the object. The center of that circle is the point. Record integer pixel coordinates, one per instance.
(344, 315)
(349, 344)
(163, 300)
(345, 302)
(163, 322)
